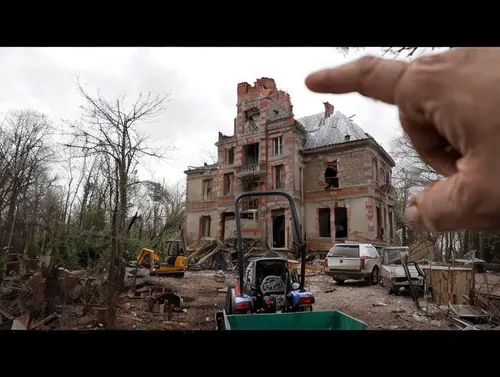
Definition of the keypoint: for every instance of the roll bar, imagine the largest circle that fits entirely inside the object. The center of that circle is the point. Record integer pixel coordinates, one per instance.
(296, 227)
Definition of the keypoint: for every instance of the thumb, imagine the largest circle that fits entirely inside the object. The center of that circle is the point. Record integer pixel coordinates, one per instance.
(438, 208)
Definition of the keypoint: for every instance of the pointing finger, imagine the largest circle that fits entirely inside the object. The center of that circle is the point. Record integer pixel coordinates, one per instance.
(370, 76)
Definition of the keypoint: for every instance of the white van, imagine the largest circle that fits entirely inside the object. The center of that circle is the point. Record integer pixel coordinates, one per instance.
(355, 261)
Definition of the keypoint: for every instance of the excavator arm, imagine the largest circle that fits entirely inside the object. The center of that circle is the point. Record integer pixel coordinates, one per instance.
(147, 257)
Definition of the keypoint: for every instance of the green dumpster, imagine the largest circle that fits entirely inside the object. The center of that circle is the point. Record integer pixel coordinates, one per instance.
(321, 320)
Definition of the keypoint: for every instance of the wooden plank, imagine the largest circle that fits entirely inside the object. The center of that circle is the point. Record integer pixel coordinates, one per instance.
(448, 285)
(5, 313)
(314, 268)
(467, 311)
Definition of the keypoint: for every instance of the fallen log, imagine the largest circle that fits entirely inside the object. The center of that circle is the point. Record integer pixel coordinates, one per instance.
(128, 317)
(213, 252)
(45, 322)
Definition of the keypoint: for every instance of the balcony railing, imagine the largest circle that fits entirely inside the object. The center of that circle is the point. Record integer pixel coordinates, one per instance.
(244, 170)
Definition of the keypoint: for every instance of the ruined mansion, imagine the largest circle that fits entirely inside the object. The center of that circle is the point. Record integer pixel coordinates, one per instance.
(338, 175)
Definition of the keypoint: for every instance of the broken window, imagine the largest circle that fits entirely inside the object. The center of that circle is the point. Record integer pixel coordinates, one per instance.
(385, 218)
(230, 156)
(278, 177)
(380, 228)
(325, 228)
(300, 179)
(375, 169)
(205, 226)
(249, 215)
(252, 186)
(228, 224)
(331, 178)
(387, 178)
(277, 146)
(207, 189)
(340, 222)
(228, 183)
(252, 119)
(250, 203)
(391, 234)
(381, 175)
(278, 221)
(251, 154)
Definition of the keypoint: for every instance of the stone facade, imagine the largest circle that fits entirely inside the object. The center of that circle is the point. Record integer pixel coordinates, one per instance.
(338, 175)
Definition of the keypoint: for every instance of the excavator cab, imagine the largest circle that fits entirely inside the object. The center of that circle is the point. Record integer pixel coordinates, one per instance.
(170, 263)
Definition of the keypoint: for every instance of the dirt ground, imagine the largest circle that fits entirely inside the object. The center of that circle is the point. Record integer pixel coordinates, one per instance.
(373, 305)
(203, 296)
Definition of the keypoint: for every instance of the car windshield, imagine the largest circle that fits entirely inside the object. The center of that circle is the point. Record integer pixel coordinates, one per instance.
(349, 251)
(393, 256)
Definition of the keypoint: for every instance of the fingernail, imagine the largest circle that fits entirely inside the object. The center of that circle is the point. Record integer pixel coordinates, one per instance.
(411, 215)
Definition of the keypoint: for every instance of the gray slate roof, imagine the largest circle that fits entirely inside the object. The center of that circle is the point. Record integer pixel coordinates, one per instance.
(322, 132)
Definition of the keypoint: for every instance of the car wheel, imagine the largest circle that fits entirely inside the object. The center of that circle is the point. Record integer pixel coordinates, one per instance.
(374, 276)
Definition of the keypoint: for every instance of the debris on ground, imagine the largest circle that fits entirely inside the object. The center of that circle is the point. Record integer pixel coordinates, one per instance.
(219, 277)
(65, 299)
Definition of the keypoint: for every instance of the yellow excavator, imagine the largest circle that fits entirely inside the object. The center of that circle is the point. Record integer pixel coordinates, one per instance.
(171, 263)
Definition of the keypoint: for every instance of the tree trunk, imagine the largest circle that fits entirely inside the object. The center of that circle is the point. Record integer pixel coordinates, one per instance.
(115, 245)
(466, 247)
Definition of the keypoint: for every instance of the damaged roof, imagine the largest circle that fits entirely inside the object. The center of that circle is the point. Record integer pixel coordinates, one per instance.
(323, 132)
(200, 169)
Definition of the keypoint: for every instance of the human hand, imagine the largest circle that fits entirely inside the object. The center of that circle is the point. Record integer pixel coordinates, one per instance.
(449, 106)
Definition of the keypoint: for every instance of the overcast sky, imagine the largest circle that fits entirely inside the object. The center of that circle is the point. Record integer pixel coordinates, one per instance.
(202, 83)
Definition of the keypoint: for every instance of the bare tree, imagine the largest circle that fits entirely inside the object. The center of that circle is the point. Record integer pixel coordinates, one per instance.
(24, 150)
(163, 211)
(410, 175)
(411, 170)
(209, 157)
(109, 129)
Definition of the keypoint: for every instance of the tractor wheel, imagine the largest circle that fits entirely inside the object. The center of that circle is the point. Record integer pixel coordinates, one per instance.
(230, 297)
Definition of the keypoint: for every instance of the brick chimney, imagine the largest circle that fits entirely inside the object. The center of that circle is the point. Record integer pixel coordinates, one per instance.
(328, 109)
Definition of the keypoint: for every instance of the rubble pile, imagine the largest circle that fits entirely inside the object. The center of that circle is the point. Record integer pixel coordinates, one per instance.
(23, 302)
(31, 299)
(487, 298)
(212, 254)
